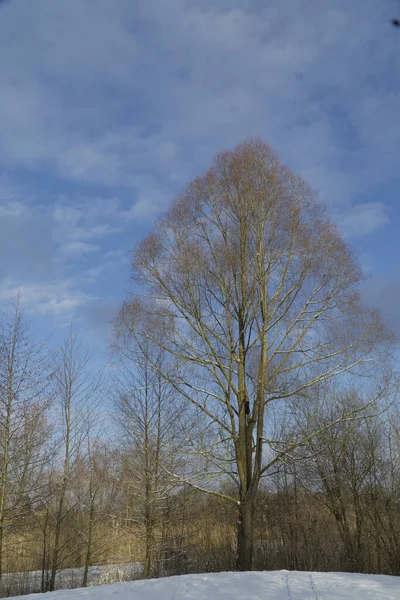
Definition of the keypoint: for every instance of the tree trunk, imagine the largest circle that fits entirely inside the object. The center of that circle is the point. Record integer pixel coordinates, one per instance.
(149, 548)
(245, 536)
(56, 548)
(60, 511)
(148, 520)
(147, 565)
(88, 556)
(44, 553)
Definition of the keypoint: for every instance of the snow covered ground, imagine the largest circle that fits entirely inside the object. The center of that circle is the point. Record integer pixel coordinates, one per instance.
(273, 585)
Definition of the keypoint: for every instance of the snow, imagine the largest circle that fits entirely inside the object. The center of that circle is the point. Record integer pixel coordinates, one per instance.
(268, 585)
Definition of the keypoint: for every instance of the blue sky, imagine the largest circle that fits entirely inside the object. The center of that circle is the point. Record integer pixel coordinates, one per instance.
(108, 107)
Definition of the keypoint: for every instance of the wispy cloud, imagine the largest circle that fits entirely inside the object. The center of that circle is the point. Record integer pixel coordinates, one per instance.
(45, 249)
(77, 248)
(79, 219)
(56, 298)
(363, 219)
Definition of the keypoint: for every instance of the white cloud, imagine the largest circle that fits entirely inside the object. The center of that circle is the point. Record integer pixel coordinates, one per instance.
(149, 201)
(43, 244)
(116, 256)
(13, 209)
(108, 263)
(77, 220)
(363, 219)
(78, 248)
(55, 298)
(66, 214)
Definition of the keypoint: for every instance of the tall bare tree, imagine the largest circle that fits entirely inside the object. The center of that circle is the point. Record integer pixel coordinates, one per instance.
(258, 299)
(96, 474)
(25, 395)
(77, 391)
(150, 416)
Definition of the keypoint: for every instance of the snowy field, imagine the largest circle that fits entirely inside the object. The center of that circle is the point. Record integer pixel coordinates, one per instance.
(273, 585)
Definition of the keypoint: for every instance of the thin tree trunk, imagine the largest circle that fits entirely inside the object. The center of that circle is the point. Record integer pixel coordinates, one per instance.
(148, 531)
(245, 536)
(59, 516)
(147, 560)
(88, 555)
(57, 541)
(148, 519)
(44, 553)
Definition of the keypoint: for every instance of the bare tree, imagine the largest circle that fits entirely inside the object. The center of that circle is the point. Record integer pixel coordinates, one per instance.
(96, 473)
(336, 465)
(25, 395)
(150, 416)
(76, 396)
(258, 299)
